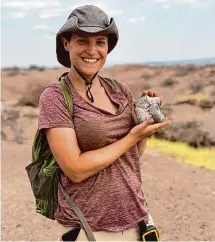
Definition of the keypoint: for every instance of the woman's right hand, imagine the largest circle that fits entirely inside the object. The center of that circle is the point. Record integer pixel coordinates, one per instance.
(147, 128)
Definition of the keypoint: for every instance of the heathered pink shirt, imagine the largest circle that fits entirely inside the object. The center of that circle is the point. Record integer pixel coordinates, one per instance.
(111, 200)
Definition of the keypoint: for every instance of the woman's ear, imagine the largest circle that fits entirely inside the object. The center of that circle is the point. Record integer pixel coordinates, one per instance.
(65, 43)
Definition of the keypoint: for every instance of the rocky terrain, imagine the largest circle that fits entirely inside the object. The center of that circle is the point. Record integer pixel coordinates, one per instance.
(188, 94)
(181, 197)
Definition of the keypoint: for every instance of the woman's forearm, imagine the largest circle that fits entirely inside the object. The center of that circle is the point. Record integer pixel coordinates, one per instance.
(92, 162)
(141, 145)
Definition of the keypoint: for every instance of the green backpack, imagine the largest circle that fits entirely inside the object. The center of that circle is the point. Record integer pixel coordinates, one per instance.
(44, 172)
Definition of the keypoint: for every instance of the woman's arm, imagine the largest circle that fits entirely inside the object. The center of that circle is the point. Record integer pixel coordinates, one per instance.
(79, 166)
(141, 145)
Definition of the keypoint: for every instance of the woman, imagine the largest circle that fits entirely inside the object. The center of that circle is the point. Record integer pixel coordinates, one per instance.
(99, 149)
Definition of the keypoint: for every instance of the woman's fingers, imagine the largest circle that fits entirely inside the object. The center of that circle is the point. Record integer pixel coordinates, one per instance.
(144, 93)
(138, 129)
(150, 93)
(154, 127)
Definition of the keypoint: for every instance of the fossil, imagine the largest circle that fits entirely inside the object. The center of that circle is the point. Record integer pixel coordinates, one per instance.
(149, 108)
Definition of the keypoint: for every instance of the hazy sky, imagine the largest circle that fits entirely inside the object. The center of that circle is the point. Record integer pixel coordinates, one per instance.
(150, 30)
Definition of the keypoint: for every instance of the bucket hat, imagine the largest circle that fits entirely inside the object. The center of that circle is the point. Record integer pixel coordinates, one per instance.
(87, 19)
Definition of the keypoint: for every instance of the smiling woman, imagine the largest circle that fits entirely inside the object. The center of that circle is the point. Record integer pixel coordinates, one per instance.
(98, 148)
(88, 53)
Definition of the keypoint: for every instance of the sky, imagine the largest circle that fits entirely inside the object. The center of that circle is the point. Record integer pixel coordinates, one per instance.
(149, 30)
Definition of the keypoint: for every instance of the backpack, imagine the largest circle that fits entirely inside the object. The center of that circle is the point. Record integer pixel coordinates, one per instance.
(44, 172)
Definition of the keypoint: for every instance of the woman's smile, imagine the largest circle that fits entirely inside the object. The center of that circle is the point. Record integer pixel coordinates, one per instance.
(90, 60)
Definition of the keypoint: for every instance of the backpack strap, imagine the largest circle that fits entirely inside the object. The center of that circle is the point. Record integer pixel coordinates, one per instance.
(67, 95)
(68, 100)
(116, 85)
(79, 214)
(113, 83)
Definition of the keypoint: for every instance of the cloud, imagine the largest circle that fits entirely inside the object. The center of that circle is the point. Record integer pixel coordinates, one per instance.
(51, 9)
(111, 11)
(176, 1)
(189, 2)
(136, 20)
(57, 12)
(166, 6)
(47, 36)
(51, 13)
(29, 5)
(16, 15)
(41, 26)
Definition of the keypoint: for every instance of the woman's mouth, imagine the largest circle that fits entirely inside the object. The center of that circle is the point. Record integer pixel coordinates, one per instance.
(90, 60)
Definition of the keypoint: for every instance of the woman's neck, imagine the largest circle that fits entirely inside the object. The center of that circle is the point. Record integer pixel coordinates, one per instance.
(79, 83)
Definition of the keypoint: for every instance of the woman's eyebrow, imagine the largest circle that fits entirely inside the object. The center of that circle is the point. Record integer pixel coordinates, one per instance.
(101, 38)
(81, 36)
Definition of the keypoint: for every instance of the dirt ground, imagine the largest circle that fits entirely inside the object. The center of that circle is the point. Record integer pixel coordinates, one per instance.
(181, 198)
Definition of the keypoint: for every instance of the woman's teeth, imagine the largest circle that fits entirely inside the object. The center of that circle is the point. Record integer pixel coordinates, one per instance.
(90, 60)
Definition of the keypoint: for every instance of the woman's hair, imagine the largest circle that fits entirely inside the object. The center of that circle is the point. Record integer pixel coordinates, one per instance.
(67, 35)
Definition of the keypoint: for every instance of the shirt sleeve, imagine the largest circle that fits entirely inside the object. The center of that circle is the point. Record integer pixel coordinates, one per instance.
(54, 112)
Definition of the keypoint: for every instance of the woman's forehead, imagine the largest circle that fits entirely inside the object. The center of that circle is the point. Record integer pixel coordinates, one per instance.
(89, 35)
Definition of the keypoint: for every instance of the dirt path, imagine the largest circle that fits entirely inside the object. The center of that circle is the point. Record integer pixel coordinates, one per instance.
(181, 198)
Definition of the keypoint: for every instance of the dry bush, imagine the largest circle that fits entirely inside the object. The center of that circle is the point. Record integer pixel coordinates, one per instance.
(32, 94)
(190, 133)
(145, 86)
(212, 93)
(13, 71)
(147, 75)
(36, 68)
(185, 70)
(206, 104)
(196, 87)
(10, 125)
(169, 82)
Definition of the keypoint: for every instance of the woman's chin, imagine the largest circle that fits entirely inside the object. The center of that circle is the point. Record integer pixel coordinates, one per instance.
(89, 72)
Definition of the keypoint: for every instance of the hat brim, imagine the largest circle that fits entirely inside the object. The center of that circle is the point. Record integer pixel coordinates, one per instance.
(71, 25)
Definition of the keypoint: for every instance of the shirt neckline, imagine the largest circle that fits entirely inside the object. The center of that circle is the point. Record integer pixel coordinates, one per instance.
(104, 85)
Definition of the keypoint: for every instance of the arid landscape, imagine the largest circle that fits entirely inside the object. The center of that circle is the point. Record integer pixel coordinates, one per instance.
(181, 196)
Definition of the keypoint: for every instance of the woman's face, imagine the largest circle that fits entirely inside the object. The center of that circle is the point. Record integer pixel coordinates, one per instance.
(87, 52)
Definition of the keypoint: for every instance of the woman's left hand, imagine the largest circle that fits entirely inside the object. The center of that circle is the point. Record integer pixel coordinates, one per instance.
(150, 94)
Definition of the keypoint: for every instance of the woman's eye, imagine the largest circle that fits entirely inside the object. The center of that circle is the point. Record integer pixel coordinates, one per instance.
(101, 42)
(82, 41)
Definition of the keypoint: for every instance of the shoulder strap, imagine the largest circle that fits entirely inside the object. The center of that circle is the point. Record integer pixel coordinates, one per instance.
(67, 95)
(68, 100)
(79, 214)
(113, 83)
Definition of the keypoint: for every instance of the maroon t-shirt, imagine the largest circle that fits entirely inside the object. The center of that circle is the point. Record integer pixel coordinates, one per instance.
(111, 200)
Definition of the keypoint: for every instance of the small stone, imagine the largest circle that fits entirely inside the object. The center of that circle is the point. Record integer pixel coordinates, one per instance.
(149, 108)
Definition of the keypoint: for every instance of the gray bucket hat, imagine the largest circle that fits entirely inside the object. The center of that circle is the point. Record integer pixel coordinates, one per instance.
(88, 19)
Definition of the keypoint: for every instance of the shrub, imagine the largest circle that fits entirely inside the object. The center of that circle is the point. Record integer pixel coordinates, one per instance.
(32, 94)
(13, 71)
(169, 82)
(185, 70)
(196, 87)
(36, 68)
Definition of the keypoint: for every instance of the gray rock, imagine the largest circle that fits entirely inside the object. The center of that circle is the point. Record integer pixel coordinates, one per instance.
(148, 108)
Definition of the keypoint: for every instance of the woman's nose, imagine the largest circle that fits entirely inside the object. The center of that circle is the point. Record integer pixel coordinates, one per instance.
(91, 50)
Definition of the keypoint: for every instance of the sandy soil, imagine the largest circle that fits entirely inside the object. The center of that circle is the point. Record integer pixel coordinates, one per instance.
(181, 198)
